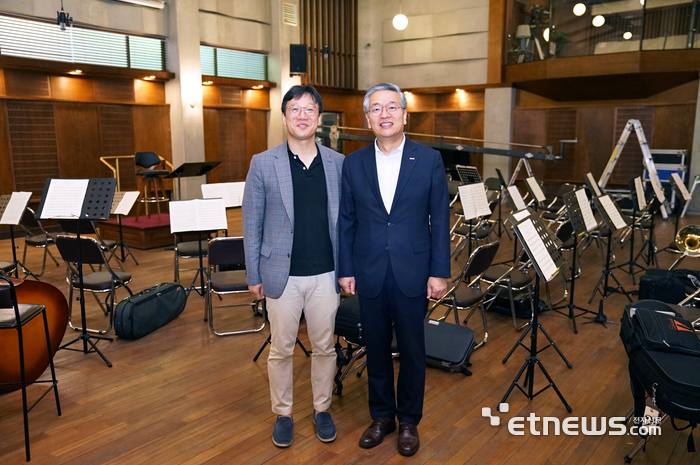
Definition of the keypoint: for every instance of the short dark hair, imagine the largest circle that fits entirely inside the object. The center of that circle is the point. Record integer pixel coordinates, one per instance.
(297, 92)
(384, 86)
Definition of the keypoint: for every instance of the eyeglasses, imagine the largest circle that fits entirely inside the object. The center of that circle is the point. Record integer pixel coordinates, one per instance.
(308, 111)
(378, 109)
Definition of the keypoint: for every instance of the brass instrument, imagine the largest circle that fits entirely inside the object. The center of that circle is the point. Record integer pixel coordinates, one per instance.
(688, 242)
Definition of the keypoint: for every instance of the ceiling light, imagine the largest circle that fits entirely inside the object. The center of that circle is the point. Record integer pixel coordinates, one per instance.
(149, 78)
(598, 20)
(207, 83)
(580, 9)
(258, 86)
(627, 35)
(400, 21)
(545, 35)
(459, 90)
(76, 71)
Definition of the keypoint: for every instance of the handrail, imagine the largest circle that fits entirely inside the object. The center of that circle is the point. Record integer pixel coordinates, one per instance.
(115, 168)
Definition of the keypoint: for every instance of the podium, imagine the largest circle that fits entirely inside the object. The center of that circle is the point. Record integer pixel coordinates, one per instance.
(192, 169)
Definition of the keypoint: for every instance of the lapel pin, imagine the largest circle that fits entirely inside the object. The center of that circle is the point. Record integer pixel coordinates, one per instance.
(411, 158)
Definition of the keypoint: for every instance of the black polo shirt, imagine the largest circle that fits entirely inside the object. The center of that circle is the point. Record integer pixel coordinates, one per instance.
(312, 251)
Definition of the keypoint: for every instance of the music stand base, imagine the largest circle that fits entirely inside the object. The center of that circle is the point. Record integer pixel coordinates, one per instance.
(87, 339)
(269, 341)
(600, 317)
(571, 313)
(551, 344)
(529, 364)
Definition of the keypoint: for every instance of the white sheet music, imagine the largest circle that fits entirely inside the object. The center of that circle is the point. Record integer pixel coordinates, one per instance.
(536, 189)
(197, 215)
(658, 191)
(639, 190)
(517, 198)
(521, 215)
(474, 201)
(680, 186)
(612, 212)
(586, 211)
(15, 208)
(537, 248)
(593, 185)
(123, 207)
(64, 198)
(231, 192)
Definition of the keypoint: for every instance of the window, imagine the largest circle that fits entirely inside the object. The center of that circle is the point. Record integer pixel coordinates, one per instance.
(233, 63)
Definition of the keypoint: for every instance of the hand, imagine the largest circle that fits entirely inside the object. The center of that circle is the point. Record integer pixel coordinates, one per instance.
(347, 284)
(257, 291)
(436, 287)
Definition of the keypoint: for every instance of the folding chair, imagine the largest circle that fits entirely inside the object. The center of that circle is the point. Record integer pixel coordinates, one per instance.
(42, 239)
(515, 280)
(228, 251)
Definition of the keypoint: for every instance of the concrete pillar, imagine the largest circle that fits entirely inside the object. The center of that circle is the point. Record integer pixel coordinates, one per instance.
(694, 161)
(184, 93)
(278, 70)
(498, 127)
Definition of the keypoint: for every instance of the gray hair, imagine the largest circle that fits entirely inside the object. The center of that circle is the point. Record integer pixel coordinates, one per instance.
(384, 86)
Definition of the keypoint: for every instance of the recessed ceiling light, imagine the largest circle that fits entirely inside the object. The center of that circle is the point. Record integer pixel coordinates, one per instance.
(579, 9)
(627, 35)
(76, 71)
(208, 83)
(598, 20)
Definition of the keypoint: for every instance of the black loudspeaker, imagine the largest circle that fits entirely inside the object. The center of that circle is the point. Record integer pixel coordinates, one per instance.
(297, 59)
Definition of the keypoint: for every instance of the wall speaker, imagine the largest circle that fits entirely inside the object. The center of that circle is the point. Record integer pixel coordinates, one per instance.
(297, 59)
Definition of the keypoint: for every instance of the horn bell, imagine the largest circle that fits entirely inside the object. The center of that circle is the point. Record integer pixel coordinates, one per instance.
(688, 240)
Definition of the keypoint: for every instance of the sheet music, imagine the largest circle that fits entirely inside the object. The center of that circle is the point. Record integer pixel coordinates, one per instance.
(536, 189)
(474, 201)
(680, 186)
(586, 211)
(538, 249)
(517, 198)
(231, 192)
(197, 215)
(658, 191)
(612, 212)
(593, 185)
(65, 198)
(639, 190)
(123, 207)
(521, 215)
(15, 208)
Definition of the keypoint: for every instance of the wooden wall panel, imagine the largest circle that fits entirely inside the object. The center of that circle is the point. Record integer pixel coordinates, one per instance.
(27, 84)
(256, 136)
(673, 127)
(33, 146)
(72, 88)
(211, 141)
(151, 132)
(471, 125)
(6, 174)
(78, 141)
(594, 146)
(232, 145)
(629, 165)
(530, 127)
(117, 138)
(561, 124)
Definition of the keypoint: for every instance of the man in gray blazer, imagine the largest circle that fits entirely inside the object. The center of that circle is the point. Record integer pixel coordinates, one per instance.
(290, 231)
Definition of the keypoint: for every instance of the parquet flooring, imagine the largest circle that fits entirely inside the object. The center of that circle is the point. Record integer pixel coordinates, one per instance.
(184, 396)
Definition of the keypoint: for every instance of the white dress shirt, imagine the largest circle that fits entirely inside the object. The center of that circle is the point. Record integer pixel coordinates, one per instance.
(388, 167)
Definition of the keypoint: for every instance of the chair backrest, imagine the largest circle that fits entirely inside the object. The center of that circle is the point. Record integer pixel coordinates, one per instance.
(564, 231)
(480, 260)
(71, 226)
(90, 252)
(146, 160)
(565, 189)
(493, 184)
(28, 221)
(226, 251)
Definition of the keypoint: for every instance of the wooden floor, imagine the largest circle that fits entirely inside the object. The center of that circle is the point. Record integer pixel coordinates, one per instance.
(182, 395)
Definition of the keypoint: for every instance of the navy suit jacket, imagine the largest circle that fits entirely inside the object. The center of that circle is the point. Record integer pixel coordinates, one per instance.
(414, 237)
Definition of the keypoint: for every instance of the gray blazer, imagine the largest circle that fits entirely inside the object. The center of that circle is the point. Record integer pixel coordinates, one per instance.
(268, 215)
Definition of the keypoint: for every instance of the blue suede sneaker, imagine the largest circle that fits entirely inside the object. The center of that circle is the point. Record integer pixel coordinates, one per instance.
(325, 428)
(283, 432)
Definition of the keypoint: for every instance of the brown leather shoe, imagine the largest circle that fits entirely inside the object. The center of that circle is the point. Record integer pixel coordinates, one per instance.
(374, 435)
(408, 439)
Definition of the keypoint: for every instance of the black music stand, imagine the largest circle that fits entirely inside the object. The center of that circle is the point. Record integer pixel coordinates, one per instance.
(4, 202)
(503, 185)
(613, 223)
(96, 205)
(192, 169)
(474, 205)
(574, 209)
(468, 174)
(542, 247)
(116, 204)
(639, 204)
(650, 242)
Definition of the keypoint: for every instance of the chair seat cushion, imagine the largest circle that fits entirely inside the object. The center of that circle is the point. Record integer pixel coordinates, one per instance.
(467, 296)
(26, 313)
(550, 215)
(518, 278)
(568, 244)
(100, 280)
(40, 240)
(191, 248)
(229, 281)
(152, 173)
(6, 267)
(108, 244)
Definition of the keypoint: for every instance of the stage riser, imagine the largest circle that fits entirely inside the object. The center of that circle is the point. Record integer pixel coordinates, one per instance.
(151, 238)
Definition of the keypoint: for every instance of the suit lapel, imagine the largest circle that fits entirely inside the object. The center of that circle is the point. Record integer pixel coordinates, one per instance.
(408, 162)
(331, 186)
(284, 177)
(369, 161)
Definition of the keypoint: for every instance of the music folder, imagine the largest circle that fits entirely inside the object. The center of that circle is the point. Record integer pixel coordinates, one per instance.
(197, 215)
(639, 195)
(611, 213)
(231, 192)
(540, 244)
(514, 198)
(680, 186)
(533, 185)
(593, 185)
(12, 207)
(123, 202)
(474, 201)
(579, 209)
(88, 199)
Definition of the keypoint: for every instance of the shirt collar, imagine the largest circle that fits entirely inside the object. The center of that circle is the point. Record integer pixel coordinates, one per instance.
(398, 149)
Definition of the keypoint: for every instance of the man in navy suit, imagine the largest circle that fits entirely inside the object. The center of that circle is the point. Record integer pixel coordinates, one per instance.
(394, 250)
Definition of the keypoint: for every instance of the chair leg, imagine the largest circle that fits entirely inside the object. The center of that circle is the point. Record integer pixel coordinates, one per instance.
(157, 196)
(54, 381)
(25, 412)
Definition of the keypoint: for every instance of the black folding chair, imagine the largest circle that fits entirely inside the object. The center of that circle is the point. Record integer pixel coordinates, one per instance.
(36, 236)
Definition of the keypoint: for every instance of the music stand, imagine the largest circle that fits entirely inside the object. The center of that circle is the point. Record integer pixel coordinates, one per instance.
(543, 249)
(122, 203)
(474, 205)
(199, 216)
(15, 205)
(192, 169)
(534, 187)
(501, 184)
(639, 204)
(583, 221)
(468, 174)
(614, 220)
(79, 199)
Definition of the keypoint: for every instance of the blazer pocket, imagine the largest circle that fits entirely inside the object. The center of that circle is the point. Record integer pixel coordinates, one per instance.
(421, 246)
(360, 249)
(266, 250)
